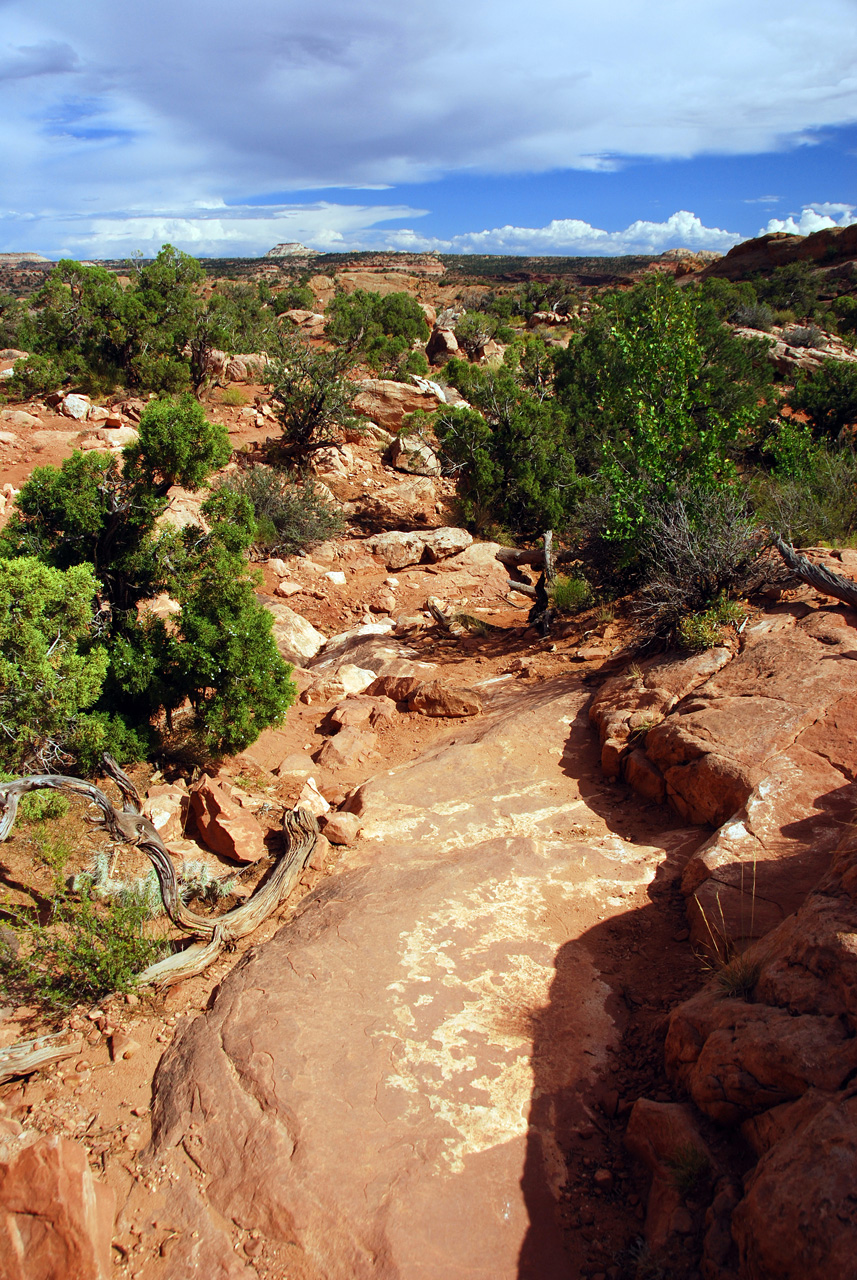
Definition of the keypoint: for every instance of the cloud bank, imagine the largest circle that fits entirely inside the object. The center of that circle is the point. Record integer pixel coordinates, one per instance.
(223, 231)
(814, 217)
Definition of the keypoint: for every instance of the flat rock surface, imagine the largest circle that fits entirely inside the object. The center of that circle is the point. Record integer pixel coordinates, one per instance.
(388, 1082)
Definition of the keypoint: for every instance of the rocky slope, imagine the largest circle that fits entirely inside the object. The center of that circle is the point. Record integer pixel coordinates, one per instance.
(446, 1057)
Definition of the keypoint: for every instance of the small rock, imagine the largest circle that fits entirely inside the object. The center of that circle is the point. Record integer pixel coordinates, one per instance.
(122, 1046)
(341, 828)
(433, 698)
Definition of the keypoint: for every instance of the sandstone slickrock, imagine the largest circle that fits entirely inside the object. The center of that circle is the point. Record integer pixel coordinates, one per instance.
(366, 1085)
(225, 827)
(55, 1219)
(414, 455)
(167, 807)
(759, 744)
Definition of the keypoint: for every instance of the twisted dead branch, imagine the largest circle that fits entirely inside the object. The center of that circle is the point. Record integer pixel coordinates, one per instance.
(130, 826)
(815, 575)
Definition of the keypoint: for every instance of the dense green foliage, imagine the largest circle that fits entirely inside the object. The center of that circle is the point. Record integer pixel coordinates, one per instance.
(84, 951)
(217, 652)
(49, 674)
(382, 330)
(828, 398)
(154, 331)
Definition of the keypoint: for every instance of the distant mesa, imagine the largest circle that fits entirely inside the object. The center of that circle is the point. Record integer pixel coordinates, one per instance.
(702, 255)
(19, 259)
(291, 250)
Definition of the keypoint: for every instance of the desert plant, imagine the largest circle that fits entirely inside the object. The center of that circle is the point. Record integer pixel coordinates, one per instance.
(689, 1168)
(85, 951)
(811, 496)
(291, 514)
(737, 979)
(804, 336)
(704, 630)
(701, 544)
(828, 397)
(571, 595)
(35, 376)
(233, 396)
(310, 395)
(753, 315)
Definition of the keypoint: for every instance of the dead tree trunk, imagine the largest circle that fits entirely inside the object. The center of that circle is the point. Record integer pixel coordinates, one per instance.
(831, 584)
(130, 826)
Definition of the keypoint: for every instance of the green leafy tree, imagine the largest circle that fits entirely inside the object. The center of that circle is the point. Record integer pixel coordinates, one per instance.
(510, 450)
(382, 330)
(658, 393)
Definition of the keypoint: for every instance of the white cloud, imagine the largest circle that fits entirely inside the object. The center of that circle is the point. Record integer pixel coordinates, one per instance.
(571, 237)
(813, 217)
(209, 229)
(173, 101)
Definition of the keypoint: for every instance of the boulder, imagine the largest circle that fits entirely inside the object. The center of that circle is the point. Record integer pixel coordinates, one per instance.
(311, 322)
(349, 747)
(387, 402)
(296, 639)
(18, 418)
(441, 346)
(434, 698)
(167, 806)
(662, 1135)
(398, 550)
(55, 1219)
(74, 406)
(798, 1218)
(224, 826)
(341, 828)
(414, 455)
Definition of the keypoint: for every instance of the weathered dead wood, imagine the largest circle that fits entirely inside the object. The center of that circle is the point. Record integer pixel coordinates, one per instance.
(509, 556)
(29, 1055)
(831, 584)
(130, 826)
(523, 588)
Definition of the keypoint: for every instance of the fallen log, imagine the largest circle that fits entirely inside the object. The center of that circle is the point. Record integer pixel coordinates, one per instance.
(131, 826)
(26, 1056)
(815, 575)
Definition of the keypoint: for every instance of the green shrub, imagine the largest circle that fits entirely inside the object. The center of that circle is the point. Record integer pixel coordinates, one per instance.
(571, 595)
(84, 952)
(310, 395)
(689, 1167)
(233, 396)
(753, 315)
(805, 336)
(816, 503)
(382, 330)
(291, 515)
(828, 397)
(38, 806)
(177, 445)
(294, 297)
(705, 630)
(33, 377)
(50, 673)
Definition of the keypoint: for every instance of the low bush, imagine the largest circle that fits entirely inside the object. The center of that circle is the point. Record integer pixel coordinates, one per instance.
(805, 336)
(291, 515)
(812, 500)
(753, 315)
(571, 595)
(84, 951)
(701, 545)
(828, 397)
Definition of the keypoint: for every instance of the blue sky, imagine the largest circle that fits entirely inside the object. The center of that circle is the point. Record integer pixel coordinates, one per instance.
(456, 125)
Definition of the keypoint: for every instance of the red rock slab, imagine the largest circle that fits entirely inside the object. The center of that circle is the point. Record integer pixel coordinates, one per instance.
(55, 1219)
(388, 1082)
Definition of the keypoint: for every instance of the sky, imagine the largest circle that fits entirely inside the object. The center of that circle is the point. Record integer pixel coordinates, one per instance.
(458, 126)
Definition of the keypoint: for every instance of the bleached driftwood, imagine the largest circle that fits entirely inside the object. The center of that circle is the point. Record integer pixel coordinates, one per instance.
(131, 826)
(28, 1055)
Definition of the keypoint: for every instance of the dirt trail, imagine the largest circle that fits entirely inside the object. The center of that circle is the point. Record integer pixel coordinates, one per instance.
(619, 915)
